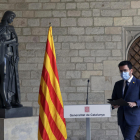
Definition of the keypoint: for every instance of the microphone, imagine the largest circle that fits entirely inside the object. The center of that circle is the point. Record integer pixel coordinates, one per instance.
(87, 91)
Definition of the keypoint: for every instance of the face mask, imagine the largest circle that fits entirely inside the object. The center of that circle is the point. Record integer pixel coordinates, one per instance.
(125, 75)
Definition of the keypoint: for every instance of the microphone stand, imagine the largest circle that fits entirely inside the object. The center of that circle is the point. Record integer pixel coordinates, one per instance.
(88, 130)
(87, 92)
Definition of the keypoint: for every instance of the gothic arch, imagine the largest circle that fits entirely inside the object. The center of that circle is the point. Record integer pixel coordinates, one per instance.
(133, 55)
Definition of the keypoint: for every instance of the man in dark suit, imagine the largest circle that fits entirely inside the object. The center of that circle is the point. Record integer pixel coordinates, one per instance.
(129, 90)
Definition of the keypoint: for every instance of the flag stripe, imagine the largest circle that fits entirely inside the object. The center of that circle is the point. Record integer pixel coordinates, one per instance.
(52, 59)
(56, 117)
(53, 125)
(53, 95)
(42, 131)
(39, 99)
(39, 135)
(53, 79)
(50, 38)
(45, 121)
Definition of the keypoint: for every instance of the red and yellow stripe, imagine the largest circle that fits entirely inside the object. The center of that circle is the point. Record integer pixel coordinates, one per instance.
(52, 124)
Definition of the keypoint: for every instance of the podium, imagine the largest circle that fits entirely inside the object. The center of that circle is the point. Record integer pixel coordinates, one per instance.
(87, 111)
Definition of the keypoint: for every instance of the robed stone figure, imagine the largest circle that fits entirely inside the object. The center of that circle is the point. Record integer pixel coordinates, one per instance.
(9, 79)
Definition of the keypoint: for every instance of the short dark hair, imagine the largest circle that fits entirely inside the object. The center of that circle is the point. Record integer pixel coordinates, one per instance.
(128, 63)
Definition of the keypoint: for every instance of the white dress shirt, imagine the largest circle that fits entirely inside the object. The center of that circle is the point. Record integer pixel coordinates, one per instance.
(129, 80)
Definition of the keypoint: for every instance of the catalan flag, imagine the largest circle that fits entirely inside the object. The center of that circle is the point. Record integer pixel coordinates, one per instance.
(52, 124)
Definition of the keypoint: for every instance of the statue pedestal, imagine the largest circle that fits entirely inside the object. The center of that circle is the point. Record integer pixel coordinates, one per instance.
(24, 128)
(16, 112)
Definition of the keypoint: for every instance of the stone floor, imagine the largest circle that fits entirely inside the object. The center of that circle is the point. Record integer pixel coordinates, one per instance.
(137, 138)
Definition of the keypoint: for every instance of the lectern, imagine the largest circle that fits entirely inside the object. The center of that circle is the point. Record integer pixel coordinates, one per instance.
(87, 111)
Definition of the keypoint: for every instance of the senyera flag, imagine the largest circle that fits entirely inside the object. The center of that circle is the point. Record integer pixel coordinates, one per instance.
(52, 124)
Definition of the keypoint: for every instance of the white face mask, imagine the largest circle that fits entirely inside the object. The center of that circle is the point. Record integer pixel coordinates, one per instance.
(125, 75)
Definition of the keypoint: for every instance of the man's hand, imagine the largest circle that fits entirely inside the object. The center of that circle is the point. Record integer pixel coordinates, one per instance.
(132, 104)
(115, 106)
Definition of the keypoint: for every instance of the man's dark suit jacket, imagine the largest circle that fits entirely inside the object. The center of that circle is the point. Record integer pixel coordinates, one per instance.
(132, 115)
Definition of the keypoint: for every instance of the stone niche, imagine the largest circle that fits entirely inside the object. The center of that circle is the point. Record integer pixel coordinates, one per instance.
(132, 48)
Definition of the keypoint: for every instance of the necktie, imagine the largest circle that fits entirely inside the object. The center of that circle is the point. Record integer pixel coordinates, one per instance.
(126, 87)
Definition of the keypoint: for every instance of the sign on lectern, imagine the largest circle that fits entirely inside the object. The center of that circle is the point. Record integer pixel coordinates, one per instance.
(87, 111)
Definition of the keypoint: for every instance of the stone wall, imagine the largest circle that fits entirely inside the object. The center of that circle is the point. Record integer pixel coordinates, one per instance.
(88, 41)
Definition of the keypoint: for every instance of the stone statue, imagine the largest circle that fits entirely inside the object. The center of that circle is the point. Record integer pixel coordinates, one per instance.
(9, 79)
